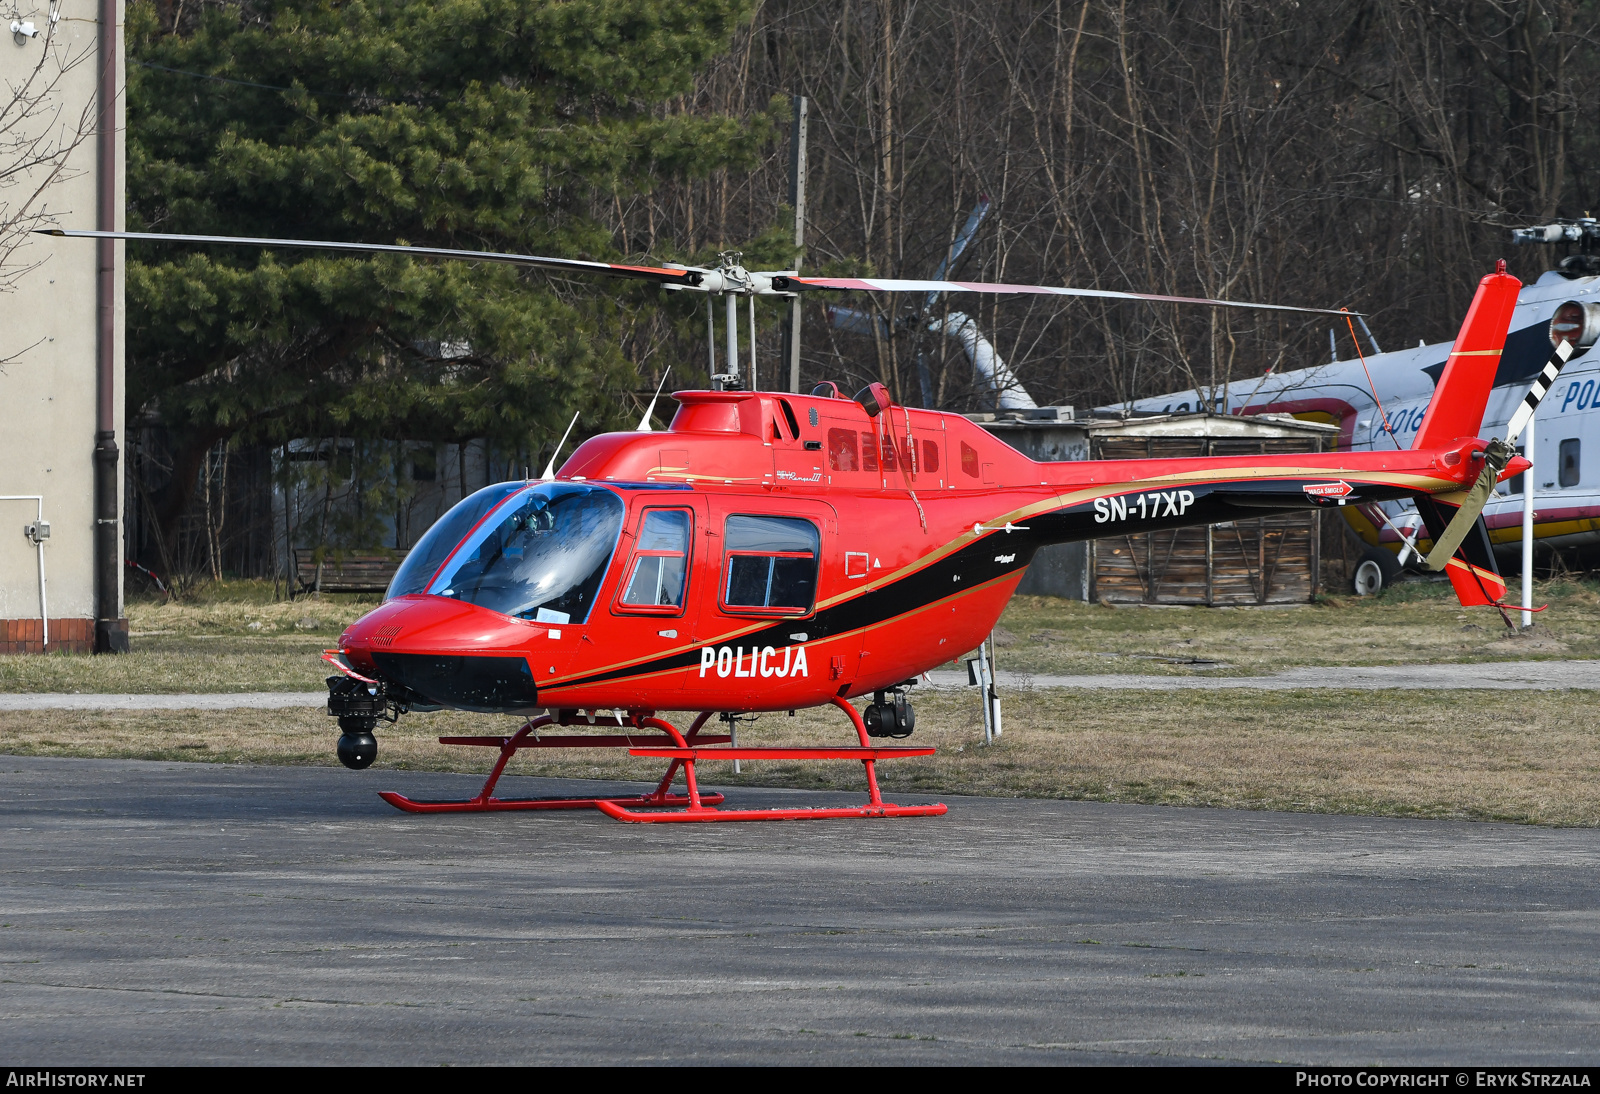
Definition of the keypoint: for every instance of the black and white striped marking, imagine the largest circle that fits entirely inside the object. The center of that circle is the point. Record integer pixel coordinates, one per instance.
(1547, 378)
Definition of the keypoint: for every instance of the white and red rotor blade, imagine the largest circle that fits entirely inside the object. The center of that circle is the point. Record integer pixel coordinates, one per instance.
(882, 284)
(660, 275)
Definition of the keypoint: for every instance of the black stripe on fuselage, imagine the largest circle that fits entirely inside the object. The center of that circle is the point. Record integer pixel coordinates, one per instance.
(979, 562)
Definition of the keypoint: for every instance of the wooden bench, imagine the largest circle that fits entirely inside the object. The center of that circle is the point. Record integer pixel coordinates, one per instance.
(347, 571)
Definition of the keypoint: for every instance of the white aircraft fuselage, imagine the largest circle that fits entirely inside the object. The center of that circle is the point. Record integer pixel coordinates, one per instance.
(1566, 455)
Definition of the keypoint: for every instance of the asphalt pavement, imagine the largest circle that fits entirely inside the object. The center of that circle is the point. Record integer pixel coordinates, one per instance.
(163, 913)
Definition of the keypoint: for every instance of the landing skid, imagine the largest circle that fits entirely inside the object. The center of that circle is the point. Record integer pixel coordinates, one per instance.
(495, 805)
(616, 811)
(682, 751)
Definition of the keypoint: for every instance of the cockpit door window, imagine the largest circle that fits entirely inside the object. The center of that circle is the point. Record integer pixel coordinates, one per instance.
(660, 570)
(770, 565)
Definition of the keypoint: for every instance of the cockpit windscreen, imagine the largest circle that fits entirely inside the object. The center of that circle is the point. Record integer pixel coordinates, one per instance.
(416, 572)
(542, 555)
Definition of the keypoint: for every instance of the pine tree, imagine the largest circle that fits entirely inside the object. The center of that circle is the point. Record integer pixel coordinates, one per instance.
(487, 124)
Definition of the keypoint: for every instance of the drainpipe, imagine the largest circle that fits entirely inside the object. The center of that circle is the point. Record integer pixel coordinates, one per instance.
(110, 633)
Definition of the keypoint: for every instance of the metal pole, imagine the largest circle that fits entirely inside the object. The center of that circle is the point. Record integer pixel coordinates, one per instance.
(797, 199)
(109, 635)
(1527, 524)
(44, 607)
(991, 695)
(733, 337)
(983, 688)
(711, 344)
(754, 385)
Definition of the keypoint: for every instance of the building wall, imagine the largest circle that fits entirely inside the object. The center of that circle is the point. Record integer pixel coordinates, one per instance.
(48, 330)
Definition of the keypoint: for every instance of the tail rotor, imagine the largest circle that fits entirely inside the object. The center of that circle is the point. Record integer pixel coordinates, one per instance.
(1461, 543)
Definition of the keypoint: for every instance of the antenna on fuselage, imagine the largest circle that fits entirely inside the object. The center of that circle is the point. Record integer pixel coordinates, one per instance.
(550, 468)
(644, 423)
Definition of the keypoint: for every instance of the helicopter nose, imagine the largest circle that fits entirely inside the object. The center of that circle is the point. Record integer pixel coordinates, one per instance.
(453, 654)
(477, 682)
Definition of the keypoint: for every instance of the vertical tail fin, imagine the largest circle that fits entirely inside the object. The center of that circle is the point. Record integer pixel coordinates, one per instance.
(1458, 404)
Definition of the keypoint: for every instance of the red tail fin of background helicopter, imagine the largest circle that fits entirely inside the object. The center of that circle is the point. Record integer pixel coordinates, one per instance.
(1456, 412)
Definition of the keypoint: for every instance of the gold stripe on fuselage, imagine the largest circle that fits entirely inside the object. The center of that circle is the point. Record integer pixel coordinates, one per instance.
(1022, 513)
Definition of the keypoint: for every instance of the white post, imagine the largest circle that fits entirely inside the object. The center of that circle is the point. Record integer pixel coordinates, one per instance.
(754, 385)
(985, 686)
(1527, 524)
(992, 696)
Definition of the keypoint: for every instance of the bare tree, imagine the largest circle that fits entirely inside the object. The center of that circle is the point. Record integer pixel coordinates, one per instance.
(1369, 153)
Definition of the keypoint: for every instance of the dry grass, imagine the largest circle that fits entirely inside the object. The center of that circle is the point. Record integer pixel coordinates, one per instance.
(238, 639)
(1415, 623)
(1520, 756)
(1530, 757)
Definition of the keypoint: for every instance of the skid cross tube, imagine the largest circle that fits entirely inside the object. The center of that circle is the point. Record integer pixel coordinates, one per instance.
(527, 737)
(682, 751)
(702, 809)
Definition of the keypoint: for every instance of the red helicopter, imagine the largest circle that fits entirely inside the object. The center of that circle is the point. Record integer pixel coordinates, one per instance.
(773, 551)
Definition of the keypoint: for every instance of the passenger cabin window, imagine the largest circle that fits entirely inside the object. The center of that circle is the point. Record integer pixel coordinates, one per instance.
(869, 453)
(842, 454)
(1571, 463)
(771, 565)
(788, 416)
(969, 459)
(660, 563)
(930, 458)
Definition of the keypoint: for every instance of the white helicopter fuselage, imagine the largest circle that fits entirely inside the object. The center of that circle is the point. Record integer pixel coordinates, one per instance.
(1566, 453)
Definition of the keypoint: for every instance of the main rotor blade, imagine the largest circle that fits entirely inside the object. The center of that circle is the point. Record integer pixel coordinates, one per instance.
(1541, 386)
(574, 265)
(879, 284)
